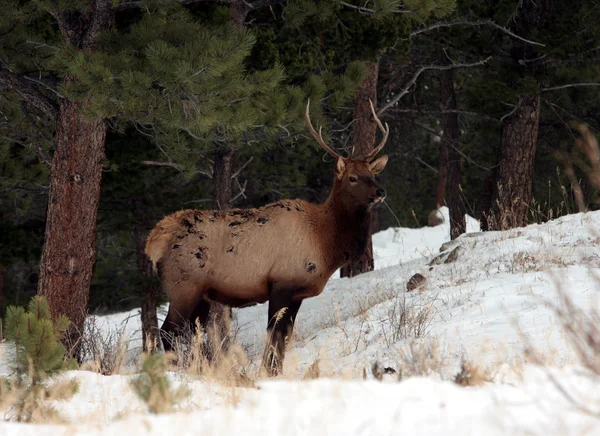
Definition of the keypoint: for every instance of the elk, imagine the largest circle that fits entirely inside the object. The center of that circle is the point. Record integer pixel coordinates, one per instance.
(282, 253)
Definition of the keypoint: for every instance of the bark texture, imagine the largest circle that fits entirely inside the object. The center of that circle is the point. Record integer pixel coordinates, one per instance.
(451, 156)
(363, 141)
(508, 204)
(150, 289)
(222, 172)
(68, 253)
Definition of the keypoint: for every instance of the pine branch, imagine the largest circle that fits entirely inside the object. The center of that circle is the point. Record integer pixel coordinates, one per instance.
(420, 71)
(570, 85)
(475, 24)
(370, 11)
(28, 92)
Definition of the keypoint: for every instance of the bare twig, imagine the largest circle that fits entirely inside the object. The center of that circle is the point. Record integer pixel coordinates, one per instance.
(42, 44)
(371, 11)
(445, 111)
(45, 85)
(28, 92)
(475, 24)
(241, 168)
(570, 85)
(162, 164)
(242, 192)
(512, 111)
(420, 71)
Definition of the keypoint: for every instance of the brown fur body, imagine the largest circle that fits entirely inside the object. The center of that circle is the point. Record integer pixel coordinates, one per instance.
(235, 257)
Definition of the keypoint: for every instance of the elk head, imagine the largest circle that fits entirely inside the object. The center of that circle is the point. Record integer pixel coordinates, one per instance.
(354, 179)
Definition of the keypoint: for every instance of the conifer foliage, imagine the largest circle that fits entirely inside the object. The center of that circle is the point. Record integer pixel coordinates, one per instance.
(153, 385)
(36, 338)
(38, 353)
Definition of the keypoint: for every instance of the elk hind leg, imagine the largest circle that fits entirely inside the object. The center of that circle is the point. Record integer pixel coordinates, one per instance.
(282, 313)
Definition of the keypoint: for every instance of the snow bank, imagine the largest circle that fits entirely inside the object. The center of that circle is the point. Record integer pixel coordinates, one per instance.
(489, 295)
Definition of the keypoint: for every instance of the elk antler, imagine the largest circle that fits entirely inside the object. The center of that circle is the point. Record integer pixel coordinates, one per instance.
(318, 136)
(385, 131)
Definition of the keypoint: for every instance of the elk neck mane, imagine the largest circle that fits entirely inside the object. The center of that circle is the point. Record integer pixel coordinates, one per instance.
(345, 228)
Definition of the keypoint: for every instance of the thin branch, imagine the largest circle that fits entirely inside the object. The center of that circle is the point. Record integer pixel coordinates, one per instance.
(570, 85)
(242, 192)
(413, 80)
(370, 11)
(145, 3)
(28, 92)
(459, 151)
(475, 24)
(435, 170)
(45, 85)
(42, 44)
(173, 165)
(240, 169)
(512, 111)
(162, 164)
(554, 106)
(445, 111)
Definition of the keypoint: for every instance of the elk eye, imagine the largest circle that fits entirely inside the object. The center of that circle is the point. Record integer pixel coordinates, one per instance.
(352, 179)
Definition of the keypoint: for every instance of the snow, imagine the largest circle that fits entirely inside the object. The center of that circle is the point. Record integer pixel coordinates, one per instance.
(490, 305)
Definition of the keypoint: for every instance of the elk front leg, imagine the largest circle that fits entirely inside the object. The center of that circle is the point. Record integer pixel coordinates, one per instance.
(282, 313)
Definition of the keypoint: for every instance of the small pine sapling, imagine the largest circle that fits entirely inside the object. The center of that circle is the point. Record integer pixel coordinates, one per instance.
(38, 350)
(38, 353)
(153, 385)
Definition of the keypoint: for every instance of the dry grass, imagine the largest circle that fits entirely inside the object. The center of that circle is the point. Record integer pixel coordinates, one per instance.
(471, 374)
(581, 327)
(214, 358)
(421, 358)
(407, 319)
(24, 400)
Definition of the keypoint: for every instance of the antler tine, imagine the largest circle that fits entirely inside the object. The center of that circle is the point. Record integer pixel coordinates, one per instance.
(318, 136)
(385, 130)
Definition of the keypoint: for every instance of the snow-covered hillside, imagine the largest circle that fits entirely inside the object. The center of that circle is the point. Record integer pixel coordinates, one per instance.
(487, 298)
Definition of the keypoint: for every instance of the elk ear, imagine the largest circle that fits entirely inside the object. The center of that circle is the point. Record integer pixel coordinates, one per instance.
(378, 165)
(340, 167)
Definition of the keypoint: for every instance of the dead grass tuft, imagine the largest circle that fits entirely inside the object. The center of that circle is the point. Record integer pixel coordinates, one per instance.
(472, 375)
(407, 319)
(421, 358)
(214, 358)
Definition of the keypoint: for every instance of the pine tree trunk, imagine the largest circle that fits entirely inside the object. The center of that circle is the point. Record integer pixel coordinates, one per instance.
(451, 159)
(511, 187)
(363, 141)
(68, 252)
(149, 290)
(1, 294)
(222, 172)
(220, 314)
(440, 192)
